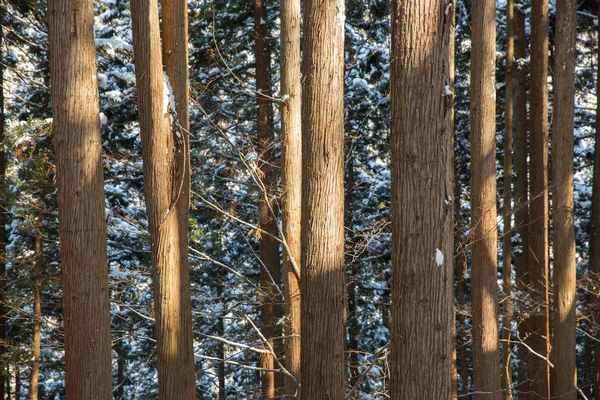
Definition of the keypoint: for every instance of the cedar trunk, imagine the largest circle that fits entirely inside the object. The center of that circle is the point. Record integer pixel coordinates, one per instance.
(563, 345)
(538, 370)
(486, 361)
(507, 234)
(79, 182)
(165, 153)
(422, 207)
(270, 270)
(323, 284)
(37, 312)
(291, 183)
(595, 230)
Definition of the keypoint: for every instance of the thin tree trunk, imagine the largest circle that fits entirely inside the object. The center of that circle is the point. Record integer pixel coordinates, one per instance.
(291, 183)
(121, 359)
(538, 369)
(595, 230)
(79, 181)
(221, 345)
(507, 234)
(422, 208)
(352, 315)
(565, 273)
(165, 153)
(484, 287)
(323, 284)
(17, 382)
(3, 207)
(37, 311)
(270, 271)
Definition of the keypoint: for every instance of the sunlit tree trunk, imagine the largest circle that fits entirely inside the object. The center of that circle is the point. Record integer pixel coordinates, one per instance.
(537, 369)
(37, 311)
(291, 182)
(79, 182)
(323, 284)
(421, 201)
(165, 153)
(484, 287)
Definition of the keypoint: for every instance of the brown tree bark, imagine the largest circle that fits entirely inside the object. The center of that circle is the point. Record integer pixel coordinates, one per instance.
(351, 315)
(165, 153)
(323, 284)
(486, 361)
(37, 311)
(595, 230)
(79, 181)
(507, 234)
(270, 271)
(421, 201)
(121, 360)
(538, 370)
(565, 273)
(3, 207)
(291, 183)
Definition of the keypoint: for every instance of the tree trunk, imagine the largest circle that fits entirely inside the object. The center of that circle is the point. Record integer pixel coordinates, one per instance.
(291, 183)
(323, 284)
(221, 345)
(538, 370)
(270, 271)
(121, 359)
(3, 207)
(165, 152)
(507, 234)
(565, 273)
(17, 382)
(595, 231)
(484, 287)
(79, 181)
(422, 208)
(37, 311)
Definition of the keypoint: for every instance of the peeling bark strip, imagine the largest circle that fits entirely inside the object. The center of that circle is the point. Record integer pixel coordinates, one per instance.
(167, 199)
(486, 361)
(422, 207)
(79, 181)
(323, 283)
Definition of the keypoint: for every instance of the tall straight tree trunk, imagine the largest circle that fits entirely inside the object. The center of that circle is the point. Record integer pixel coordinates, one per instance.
(270, 271)
(565, 273)
(121, 360)
(291, 183)
(3, 207)
(595, 229)
(484, 287)
(323, 284)
(538, 369)
(456, 202)
(37, 311)
(507, 234)
(79, 181)
(422, 208)
(165, 153)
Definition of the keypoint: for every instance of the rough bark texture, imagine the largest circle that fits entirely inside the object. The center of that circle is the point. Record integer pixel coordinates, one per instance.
(270, 271)
(422, 207)
(291, 182)
(565, 273)
(484, 287)
(507, 210)
(595, 229)
(79, 182)
(3, 190)
(37, 313)
(323, 283)
(166, 189)
(537, 369)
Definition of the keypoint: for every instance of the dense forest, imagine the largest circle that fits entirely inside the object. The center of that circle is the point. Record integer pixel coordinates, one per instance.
(318, 200)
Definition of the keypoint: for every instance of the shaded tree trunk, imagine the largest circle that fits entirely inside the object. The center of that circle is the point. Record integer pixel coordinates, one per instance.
(421, 199)
(538, 370)
(79, 182)
(323, 284)
(270, 271)
(291, 183)
(121, 359)
(507, 234)
(3, 207)
(595, 231)
(565, 273)
(165, 153)
(37, 311)
(484, 287)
